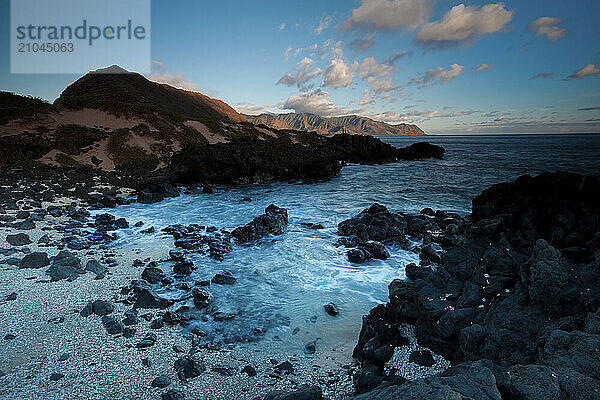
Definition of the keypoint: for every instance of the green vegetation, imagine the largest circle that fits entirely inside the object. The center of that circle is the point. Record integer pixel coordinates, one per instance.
(128, 157)
(13, 106)
(309, 138)
(65, 159)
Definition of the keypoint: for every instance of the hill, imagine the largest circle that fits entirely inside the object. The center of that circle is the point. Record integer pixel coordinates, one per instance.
(114, 86)
(351, 124)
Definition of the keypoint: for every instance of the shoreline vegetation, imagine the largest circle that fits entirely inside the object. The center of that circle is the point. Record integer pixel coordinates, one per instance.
(507, 297)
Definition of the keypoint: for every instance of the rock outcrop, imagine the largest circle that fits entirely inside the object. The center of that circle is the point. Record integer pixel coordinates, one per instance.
(273, 221)
(309, 157)
(516, 283)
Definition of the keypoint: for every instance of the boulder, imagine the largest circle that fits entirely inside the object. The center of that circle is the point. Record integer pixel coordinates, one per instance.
(19, 239)
(65, 266)
(153, 275)
(539, 382)
(375, 223)
(146, 298)
(188, 367)
(273, 221)
(302, 393)
(468, 381)
(96, 268)
(226, 278)
(34, 260)
(202, 297)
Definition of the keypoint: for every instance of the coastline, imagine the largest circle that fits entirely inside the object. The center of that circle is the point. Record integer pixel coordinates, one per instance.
(335, 378)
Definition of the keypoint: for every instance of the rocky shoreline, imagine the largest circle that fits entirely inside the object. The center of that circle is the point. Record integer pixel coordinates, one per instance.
(508, 295)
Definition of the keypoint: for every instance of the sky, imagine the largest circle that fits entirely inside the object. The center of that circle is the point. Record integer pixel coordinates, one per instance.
(450, 67)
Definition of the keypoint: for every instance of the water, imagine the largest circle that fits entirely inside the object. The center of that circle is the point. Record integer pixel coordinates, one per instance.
(284, 281)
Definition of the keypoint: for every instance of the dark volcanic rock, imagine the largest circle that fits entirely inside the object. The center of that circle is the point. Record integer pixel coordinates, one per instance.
(161, 381)
(183, 268)
(202, 297)
(147, 341)
(153, 275)
(468, 381)
(102, 307)
(65, 266)
(273, 221)
(131, 317)
(367, 251)
(317, 157)
(188, 367)
(538, 382)
(146, 298)
(422, 357)
(96, 268)
(224, 370)
(302, 393)
(518, 284)
(56, 376)
(226, 278)
(34, 260)
(20, 239)
(249, 370)
(285, 367)
(375, 223)
(172, 394)
(112, 325)
(331, 309)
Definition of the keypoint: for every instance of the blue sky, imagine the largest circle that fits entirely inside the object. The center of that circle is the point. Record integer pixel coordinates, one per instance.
(336, 58)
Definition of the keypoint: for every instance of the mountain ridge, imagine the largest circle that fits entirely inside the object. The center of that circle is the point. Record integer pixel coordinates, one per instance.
(350, 124)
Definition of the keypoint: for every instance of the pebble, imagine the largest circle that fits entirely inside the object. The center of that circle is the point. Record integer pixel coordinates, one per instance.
(161, 381)
(56, 376)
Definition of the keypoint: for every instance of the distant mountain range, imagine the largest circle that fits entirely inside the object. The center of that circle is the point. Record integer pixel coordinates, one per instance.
(351, 124)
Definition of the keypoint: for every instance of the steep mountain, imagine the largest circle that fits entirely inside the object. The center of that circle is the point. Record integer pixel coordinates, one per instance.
(351, 124)
(272, 121)
(118, 86)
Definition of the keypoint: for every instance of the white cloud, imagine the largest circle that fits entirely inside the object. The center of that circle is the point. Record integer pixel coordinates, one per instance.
(389, 15)
(304, 72)
(252, 109)
(325, 22)
(381, 85)
(332, 49)
(281, 27)
(464, 24)
(159, 75)
(370, 67)
(484, 67)
(314, 102)
(366, 98)
(286, 54)
(547, 26)
(339, 74)
(377, 75)
(588, 70)
(440, 75)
